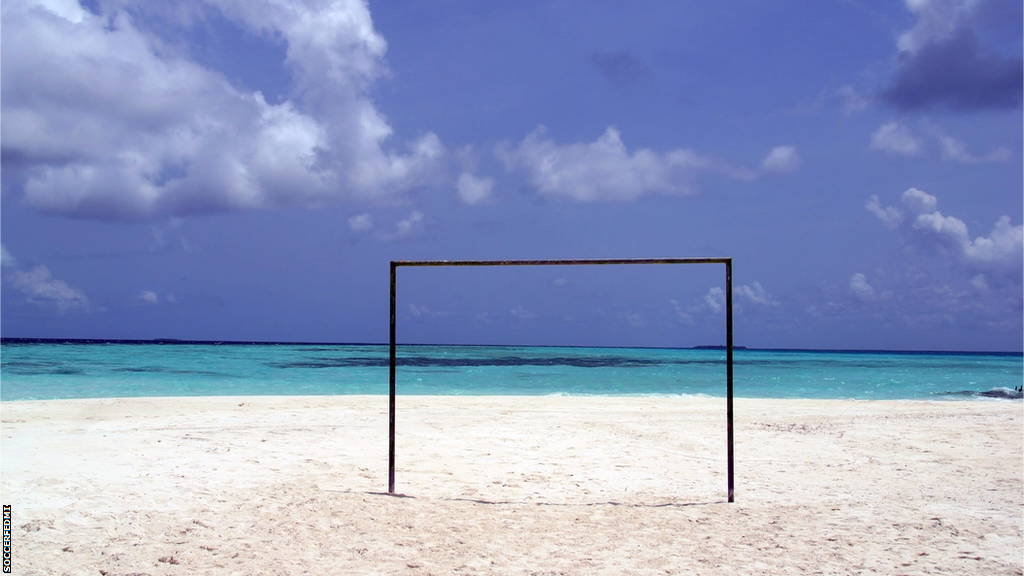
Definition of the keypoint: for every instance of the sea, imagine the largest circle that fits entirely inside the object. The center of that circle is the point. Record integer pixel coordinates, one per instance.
(45, 370)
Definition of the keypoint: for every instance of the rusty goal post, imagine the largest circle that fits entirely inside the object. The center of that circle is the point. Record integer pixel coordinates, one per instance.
(572, 262)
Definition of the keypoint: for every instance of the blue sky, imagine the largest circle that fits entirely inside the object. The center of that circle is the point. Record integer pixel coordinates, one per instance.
(245, 170)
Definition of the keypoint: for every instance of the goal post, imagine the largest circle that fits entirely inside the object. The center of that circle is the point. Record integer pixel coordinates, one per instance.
(572, 262)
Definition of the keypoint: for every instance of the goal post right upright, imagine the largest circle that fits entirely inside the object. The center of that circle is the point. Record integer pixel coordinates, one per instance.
(728, 374)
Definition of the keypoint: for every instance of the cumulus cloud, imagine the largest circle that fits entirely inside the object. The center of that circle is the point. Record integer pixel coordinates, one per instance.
(6, 260)
(714, 301)
(781, 159)
(149, 297)
(40, 288)
(891, 216)
(924, 228)
(473, 189)
(956, 150)
(755, 294)
(360, 223)
(864, 291)
(943, 62)
(924, 300)
(860, 287)
(106, 118)
(895, 138)
(605, 170)
(405, 227)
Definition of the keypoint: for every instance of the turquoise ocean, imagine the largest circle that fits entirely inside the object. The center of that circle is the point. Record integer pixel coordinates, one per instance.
(50, 370)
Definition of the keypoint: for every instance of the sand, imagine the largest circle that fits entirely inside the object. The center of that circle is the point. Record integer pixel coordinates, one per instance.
(500, 485)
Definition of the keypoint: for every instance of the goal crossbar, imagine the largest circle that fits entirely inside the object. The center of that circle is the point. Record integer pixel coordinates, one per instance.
(571, 262)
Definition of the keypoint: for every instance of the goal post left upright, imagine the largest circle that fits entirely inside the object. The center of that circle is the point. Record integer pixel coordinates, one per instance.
(391, 402)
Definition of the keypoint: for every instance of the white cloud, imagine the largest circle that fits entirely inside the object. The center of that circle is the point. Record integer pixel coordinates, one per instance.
(861, 289)
(560, 282)
(42, 289)
(405, 227)
(109, 121)
(424, 312)
(170, 234)
(521, 313)
(68, 9)
(1005, 243)
(928, 230)
(360, 223)
(715, 301)
(956, 150)
(635, 320)
(781, 159)
(919, 201)
(755, 294)
(850, 100)
(936, 20)
(473, 189)
(930, 301)
(895, 138)
(6, 260)
(682, 315)
(605, 170)
(890, 215)
(149, 297)
(749, 296)
(979, 282)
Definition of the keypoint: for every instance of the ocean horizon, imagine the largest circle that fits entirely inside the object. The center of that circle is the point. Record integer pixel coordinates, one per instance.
(186, 341)
(41, 369)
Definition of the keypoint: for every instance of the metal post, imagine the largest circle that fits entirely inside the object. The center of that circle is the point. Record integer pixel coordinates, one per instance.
(728, 371)
(391, 413)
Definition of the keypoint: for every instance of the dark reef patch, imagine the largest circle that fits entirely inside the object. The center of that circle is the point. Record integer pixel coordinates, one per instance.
(435, 362)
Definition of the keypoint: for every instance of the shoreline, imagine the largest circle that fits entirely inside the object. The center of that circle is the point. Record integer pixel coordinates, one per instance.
(967, 397)
(512, 485)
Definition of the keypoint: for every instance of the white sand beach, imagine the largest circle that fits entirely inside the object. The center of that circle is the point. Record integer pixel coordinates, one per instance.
(512, 485)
